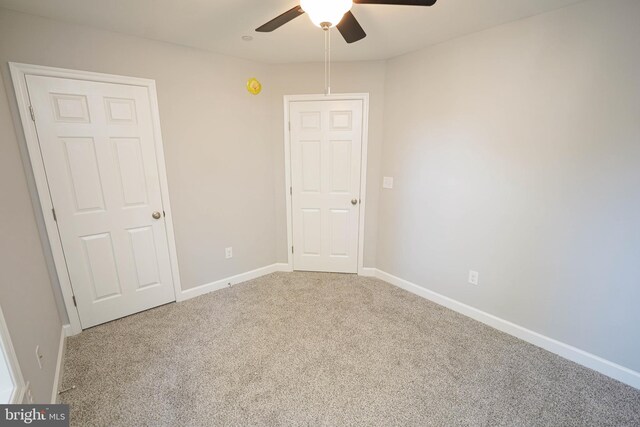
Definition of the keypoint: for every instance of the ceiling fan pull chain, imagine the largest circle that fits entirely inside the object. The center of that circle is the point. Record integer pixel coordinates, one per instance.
(326, 27)
(329, 62)
(326, 61)
(326, 82)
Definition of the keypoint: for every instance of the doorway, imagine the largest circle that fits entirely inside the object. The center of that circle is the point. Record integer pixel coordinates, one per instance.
(95, 146)
(325, 161)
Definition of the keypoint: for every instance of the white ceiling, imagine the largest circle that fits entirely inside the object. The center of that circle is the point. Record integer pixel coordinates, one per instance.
(218, 25)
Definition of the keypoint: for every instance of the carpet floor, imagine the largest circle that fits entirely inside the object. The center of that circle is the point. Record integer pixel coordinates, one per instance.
(326, 349)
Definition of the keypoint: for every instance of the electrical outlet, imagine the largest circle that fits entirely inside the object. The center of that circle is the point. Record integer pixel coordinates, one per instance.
(473, 277)
(39, 356)
(228, 253)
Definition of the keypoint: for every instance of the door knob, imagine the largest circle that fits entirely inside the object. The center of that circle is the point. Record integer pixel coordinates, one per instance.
(354, 202)
(156, 215)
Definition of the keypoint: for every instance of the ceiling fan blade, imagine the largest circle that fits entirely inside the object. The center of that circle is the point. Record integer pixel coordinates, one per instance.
(350, 28)
(398, 2)
(275, 23)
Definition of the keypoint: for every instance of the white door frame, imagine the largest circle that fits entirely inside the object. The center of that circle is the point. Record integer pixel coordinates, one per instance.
(18, 75)
(364, 97)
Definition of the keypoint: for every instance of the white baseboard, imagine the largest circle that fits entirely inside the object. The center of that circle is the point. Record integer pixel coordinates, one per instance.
(68, 330)
(283, 266)
(606, 367)
(64, 333)
(21, 396)
(71, 330)
(367, 272)
(18, 396)
(233, 280)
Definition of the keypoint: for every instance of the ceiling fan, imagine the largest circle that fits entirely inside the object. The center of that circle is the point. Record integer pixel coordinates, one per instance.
(329, 13)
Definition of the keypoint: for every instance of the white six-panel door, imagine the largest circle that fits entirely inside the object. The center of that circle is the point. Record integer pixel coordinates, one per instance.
(98, 148)
(326, 158)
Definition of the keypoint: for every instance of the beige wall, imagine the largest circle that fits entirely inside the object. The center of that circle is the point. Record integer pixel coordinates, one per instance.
(516, 153)
(308, 78)
(26, 295)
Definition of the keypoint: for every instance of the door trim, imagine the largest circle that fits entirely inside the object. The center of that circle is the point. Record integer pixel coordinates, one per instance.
(18, 75)
(364, 97)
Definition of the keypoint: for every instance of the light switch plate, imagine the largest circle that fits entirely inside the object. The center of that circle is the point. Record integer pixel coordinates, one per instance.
(387, 182)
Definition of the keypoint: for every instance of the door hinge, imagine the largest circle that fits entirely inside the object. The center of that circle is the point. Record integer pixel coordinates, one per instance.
(289, 126)
(33, 114)
(74, 301)
(291, 249)
(291, 191)
(55, 217)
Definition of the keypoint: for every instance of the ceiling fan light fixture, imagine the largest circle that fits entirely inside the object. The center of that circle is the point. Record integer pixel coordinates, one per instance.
(326, 11)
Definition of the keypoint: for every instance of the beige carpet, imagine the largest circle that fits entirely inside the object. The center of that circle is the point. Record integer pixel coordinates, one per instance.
(326, 349)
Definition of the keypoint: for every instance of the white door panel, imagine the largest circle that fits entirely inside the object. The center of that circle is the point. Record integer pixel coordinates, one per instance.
(326, 157)
(98, 149)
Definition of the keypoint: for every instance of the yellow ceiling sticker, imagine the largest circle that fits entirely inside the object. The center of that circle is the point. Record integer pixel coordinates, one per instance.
(254, 86)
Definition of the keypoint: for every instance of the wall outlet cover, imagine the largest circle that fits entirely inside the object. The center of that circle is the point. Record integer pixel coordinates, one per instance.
(387, 182)
(473, 277)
